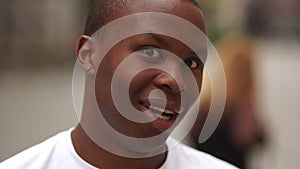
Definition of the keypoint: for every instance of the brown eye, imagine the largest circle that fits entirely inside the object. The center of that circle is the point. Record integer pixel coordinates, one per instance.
(192, 64)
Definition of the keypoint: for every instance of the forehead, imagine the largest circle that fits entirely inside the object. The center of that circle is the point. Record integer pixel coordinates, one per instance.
(188, 29)
(180, 8)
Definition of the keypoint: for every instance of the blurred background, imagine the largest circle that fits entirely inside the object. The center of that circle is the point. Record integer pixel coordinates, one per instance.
(37, 43)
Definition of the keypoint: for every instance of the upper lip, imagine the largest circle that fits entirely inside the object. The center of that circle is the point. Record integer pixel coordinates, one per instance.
(170, 107)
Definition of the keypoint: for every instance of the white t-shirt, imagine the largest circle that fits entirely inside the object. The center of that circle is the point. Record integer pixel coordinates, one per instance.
(58, 152)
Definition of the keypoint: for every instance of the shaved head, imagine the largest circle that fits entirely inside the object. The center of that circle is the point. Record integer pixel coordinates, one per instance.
(100, 11)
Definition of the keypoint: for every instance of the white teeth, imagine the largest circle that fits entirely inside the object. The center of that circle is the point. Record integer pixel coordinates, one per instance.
(161, 110)
(165, 118)
(162, 117)
(169, 112)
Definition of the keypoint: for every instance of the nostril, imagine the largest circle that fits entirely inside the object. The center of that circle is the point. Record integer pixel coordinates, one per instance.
(166, 82)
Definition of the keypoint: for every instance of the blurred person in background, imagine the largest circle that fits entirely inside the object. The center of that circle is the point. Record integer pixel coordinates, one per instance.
(240, 128)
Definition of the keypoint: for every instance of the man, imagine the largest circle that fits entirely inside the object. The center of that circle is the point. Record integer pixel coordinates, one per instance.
(129, 129)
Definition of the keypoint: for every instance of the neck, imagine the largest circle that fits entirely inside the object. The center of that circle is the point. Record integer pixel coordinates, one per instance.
(100, 158)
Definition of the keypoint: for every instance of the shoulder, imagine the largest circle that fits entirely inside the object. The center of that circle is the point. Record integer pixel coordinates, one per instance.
(36, 156)
(182, 156)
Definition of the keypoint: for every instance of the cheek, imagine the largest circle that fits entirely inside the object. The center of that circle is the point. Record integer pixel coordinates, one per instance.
(103, 92)
(194, 84)
(196, 78)
(199, 83)
(140, 82)
(103, 82)
(107, 68)
(199, 79)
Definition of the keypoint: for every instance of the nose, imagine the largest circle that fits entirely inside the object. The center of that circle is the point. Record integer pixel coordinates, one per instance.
(173, 83)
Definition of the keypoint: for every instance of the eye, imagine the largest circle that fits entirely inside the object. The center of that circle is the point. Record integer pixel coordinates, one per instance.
(192, 64)
(151, 54)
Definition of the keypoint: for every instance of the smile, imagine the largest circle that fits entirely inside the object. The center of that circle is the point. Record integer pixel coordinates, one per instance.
(161, 113)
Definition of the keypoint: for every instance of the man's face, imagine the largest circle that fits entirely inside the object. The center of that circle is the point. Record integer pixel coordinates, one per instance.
(157, 50)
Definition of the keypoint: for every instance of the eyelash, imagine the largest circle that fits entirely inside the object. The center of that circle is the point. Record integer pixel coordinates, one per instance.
(193, 60)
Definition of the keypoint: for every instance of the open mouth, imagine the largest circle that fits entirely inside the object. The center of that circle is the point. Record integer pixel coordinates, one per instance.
(161, 113)
(166, 114)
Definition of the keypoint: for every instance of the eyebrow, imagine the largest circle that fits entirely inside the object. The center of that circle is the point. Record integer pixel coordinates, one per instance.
(156, 37)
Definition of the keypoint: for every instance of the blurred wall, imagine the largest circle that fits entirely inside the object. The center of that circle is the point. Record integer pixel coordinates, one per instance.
(278, 83)
(37, 44)
(38, 33)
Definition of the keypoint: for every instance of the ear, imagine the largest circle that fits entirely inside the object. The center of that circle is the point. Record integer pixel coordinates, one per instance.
(84, 52)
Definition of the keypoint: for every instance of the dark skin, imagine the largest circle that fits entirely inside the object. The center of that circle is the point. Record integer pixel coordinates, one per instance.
(140, 87)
